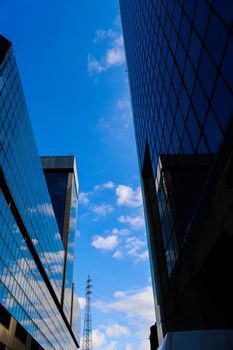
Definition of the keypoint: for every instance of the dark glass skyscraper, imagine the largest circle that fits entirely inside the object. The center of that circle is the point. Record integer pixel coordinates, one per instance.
(179, 55)
(31, 249)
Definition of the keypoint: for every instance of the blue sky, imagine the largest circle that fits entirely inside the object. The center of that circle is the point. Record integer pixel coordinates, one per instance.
(71, 61)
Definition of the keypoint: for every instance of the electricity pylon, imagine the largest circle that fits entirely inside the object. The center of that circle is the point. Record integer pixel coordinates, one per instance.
(87, 332)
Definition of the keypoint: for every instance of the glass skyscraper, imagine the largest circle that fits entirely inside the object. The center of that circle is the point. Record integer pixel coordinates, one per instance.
(179, 56)
(32, 253)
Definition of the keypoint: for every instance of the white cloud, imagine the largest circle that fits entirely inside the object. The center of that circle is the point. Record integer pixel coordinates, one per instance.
(138, 305)
(128, 197)
(117, 21)
(113, 345)
(82, 302)
(145, 343)
(143, 256)
(133, 247)
(107, 185)
(120, 294)
(113, 56)
(123, 104)
(121, 119)
(77, 233)
(116, 330)
(120, 232)
(105, 243)
(123, 244)
(83, 198)
(102, 34)
(98, 338)
(119, 41)
(125, 111)
(118, 254)
(129, 346)
(136, 222)
(136, 248)
(134, 243)
(102, 209)
(94, 66)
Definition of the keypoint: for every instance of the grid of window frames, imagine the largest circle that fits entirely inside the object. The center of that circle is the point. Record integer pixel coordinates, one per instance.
(70, 247)
(58, 184)
(22, 169)
(167, 224)
(23, 291)
(179, 56)
(76, 317)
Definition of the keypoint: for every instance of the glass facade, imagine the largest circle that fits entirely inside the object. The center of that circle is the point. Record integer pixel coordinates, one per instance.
(167, 224)
(76, 313)
(57, 185)
(60, 174)
(179, 56)
(180, 77)
(32, 253)
(71, 244)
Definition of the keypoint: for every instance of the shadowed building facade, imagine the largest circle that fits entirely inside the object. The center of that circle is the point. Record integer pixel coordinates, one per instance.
(179, 56)
(32, 253)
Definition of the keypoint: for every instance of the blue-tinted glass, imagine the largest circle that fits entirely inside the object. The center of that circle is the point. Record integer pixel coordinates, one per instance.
(222, 104)
(189, 7)
(57, 186)
(186, 143)
(193, 127)
(32, 254)
(165, 232)
(189, 76)
(180, 55)
(207, 73)
(201, 18)
(224, 9)
(166, 225)
(185, 31)
(202, 147)
(184, 102)
(177, 15)
(200, 102)
(213, 133)
(170, 7)
(216, 30)
(176, 80)
(194, 49)
(179, 120)
(175, 140)
(227, 70)
(173, 40)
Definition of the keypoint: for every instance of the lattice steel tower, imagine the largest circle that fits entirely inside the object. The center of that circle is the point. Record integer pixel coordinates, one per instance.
(87, 332)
